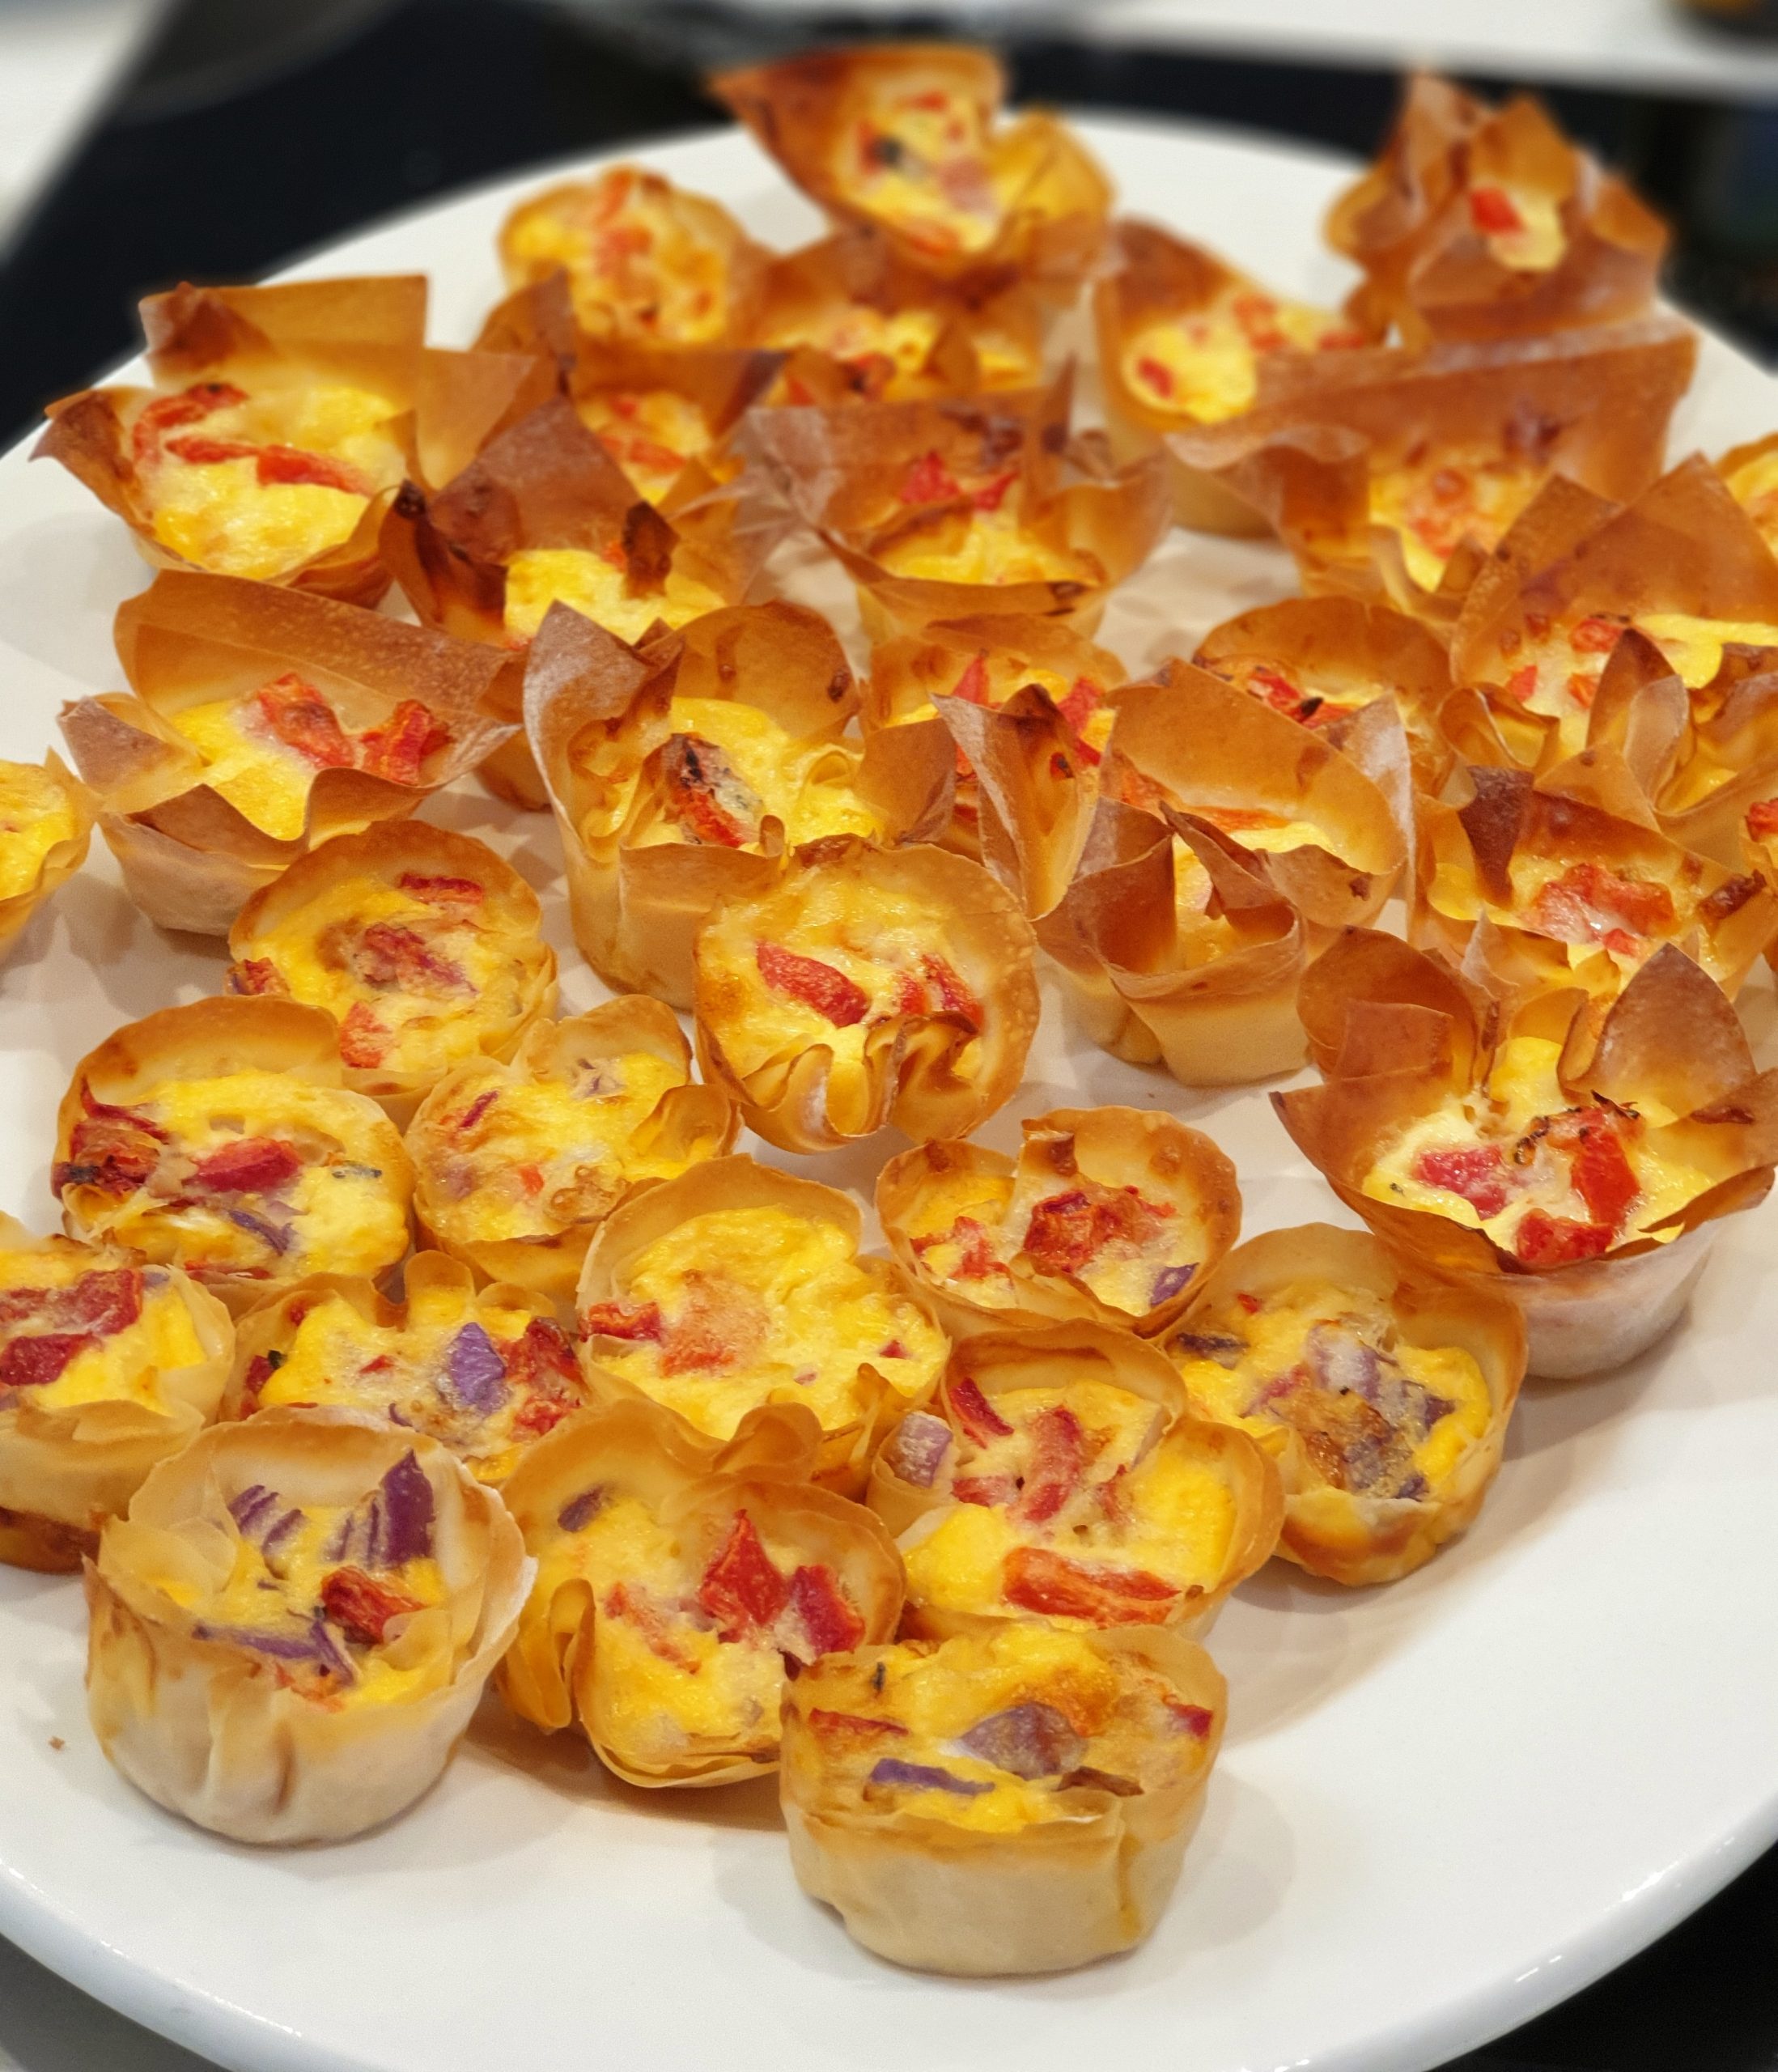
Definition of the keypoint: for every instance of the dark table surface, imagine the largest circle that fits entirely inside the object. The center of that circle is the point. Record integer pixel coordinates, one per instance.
(253, 130)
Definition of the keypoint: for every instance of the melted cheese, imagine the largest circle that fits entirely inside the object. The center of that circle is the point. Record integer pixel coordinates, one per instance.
(985, 547)
(35, 813)
(816, 1314)
(1203, 364)
(593, 586)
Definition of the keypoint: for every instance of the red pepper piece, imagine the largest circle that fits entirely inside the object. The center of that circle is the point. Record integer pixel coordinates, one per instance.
(831, 994)
(99, 1303)
(541, 1367)
(1194, 1720)
(1084, 699)
(302, 719)
(824, 1612)
(1037, 1580)
(361, 1606)
(1643, 907)
(257, 974)
(390, 954)
(1603, 1176)
(1478, 1173)
(1522, 683)
(741, 1589)
(851, 1726)
(114, 1149)
(255, 1166)
(1068, 1231)
(1492, 210)
(1762, 819)
(972, 686)
(613, 1320)
(929, 480)
(200, 450)
(541, 1414)
(478, 1108)
(31, 1363)
(397, 751)
(1595, 636)
(1583, 688)
(990, 1490)
(1158, 375)
(364, 1043)
(992, 494)
(634, 1607)
(979, 1419)
(442, 891)
(954, 997)
(707, 795)
(1545, 1240)
(260, 1370)
(290, 463)
(1058, 1458)
(189, 406)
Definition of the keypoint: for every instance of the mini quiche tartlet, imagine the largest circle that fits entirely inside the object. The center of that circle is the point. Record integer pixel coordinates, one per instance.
(292, 1628)
(219, 1138)
(959, 509)
(857, 324)
(1326, 662)
(1578, 1165)
(681, 770)
(46, 817)
(106, 1366)
(1113, 1214)
(1172, 949)
(278, 429)
(905, 139)
(1570, 874)
(1059, 1475)
(1398, 479)
(516, 1165)
(1382, 1391)
(262, 723)
(1013, 1800)
(544, 512)
(867, 986)
(485, 1372)
(1567, 641)
(1186, 339)
(1478, 222)
(647, 263)
(1326, 836)
(421, 943)
(1041, 702)
(735, 1286)
(1750, 471)
(680, 1584)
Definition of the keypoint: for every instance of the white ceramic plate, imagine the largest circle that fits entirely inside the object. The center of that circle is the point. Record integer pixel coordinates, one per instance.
(1441, 1807)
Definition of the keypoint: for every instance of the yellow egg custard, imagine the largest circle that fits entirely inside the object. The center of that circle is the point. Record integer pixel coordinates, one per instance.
(646, 262)
(255, 484)
(422, 944)
(1549, 1182)
(217, 1138)
(1751, 472)
(291, 1628)
(1520, 226)
(910, 674)
(1014, 1800)
(485, 1372)
(597, 586)
(1382, 1393)
(39, 812)
(985, 544)
(516, 1165)
(1110, 1213)
(1062, 1481)
(1203, 364)
(1436, 498)
(263, 751)
(884, 353)
(671, 1596)
(107, 1366)
(868, 985)
(653, 434)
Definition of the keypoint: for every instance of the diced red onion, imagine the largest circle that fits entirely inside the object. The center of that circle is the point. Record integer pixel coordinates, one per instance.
(926, 1776)
(1169, 1281)
(917, 1448)
(1031, 1740)
(475, 1371)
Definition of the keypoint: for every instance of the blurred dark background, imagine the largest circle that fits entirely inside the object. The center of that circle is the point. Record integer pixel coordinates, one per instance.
(241, 133)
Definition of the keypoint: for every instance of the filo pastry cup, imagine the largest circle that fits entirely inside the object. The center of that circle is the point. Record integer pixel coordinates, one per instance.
(1172, 949)
(964, 508)
(261, 723)
(516, 1164)
(1578, 1166)
(106, 1366)
(1382, 1390)
(313, 382)
(680, 1583)
(1059, 1474)
(736, 1286)
(1109, 1214)
(1479, 222)
(1184, 339)
(680, 772)
(865, 987)
(290, 1631)
(1394, 476)
(1008, 1802)
(906, 140)
(421, 943)
(46, 817)
(485, 1371)
(218, 1137)
(857, 324)
(1571, 878)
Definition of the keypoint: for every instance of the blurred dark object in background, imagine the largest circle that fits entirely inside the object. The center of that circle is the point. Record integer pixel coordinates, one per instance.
(1739, 17)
